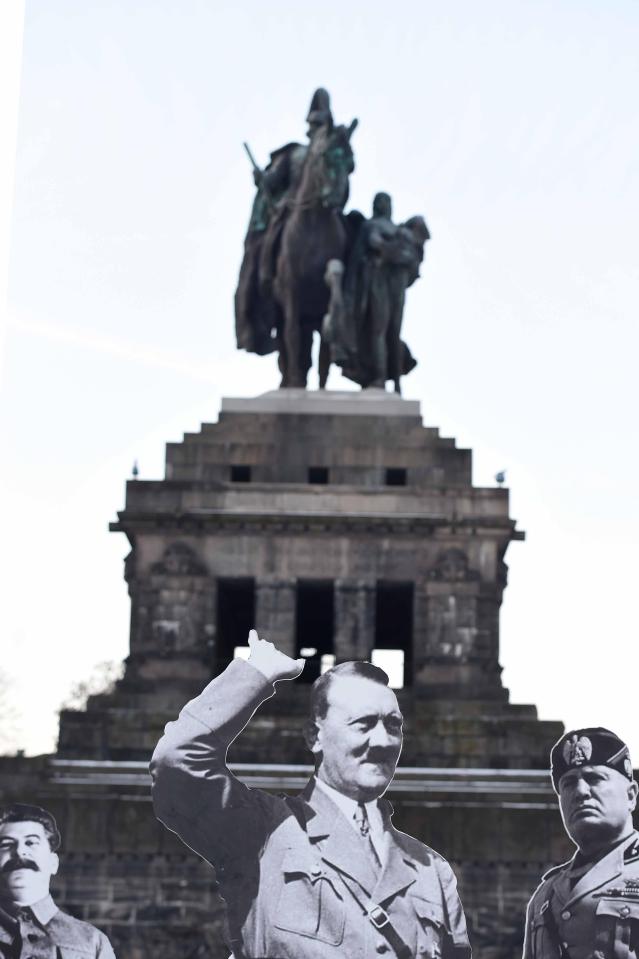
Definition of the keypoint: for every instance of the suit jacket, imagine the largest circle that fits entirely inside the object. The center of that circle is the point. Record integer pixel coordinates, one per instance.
(598, 915)
(293, 871)
(52, 934)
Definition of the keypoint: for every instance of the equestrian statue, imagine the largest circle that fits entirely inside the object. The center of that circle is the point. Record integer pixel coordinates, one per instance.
(310, 268)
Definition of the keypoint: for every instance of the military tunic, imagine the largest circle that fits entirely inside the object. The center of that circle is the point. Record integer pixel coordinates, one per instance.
(594, 917)
(42, 931)
(297, 880)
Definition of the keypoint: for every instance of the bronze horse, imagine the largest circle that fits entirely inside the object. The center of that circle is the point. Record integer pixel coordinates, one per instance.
(313, 234)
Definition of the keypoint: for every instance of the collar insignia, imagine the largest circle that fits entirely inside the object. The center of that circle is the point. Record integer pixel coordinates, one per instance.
(631, 854)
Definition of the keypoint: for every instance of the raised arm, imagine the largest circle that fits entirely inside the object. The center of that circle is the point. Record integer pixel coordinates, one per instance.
(194, 793)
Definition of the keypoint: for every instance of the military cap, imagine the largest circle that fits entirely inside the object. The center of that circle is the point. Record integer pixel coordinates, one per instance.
(593, 746)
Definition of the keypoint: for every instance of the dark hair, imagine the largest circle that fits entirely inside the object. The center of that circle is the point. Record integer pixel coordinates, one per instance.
(319, 689)
(22, 812)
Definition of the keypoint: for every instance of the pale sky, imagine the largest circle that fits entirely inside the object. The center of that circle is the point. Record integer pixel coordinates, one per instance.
(511, 126)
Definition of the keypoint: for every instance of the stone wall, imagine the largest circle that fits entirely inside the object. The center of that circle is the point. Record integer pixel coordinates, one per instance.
(124, 872)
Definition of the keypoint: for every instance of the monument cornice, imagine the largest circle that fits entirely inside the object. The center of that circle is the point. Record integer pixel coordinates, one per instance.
(461, 787)
(407, 524)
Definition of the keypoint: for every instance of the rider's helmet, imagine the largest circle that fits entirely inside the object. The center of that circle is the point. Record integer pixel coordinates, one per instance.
(319, 113)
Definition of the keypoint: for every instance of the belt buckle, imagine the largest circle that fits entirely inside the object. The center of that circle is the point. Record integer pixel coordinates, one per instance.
(378, 916)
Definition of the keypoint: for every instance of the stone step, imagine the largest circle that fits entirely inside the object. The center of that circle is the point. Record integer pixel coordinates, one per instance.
(491, 741)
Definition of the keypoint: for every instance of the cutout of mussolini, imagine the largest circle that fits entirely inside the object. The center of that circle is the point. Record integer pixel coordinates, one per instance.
(323, 874)
(31, 925)
(588, 908)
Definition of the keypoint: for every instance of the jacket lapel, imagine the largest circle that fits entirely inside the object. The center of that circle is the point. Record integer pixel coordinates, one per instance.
(6, 934)
(9, 926)
(400, 870)
(561, 884)
(334, 837)
(339, 845)
(601, 873)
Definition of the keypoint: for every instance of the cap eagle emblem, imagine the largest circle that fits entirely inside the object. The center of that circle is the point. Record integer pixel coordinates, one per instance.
(577, 750)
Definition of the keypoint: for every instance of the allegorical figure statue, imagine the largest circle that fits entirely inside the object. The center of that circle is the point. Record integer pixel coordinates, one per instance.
(588, 908)
(256, 312)
(321, 875)
(365, 319)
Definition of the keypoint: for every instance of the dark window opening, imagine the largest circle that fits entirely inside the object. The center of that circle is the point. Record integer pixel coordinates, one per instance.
(314, 625)
(318, 474)
(393, 650)
(240, 474)
(396, 476)
(235, 617)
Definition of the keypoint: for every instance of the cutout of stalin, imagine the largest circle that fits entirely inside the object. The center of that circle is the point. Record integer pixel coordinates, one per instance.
(31, 925)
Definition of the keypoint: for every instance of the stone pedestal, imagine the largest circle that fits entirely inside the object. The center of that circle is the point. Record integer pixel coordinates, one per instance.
(345, 497)
(345, 490)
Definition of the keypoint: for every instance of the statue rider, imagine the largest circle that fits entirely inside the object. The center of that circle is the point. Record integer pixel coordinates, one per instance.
(256, 316)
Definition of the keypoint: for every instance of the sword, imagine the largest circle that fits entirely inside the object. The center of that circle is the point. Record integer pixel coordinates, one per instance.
(260, 177)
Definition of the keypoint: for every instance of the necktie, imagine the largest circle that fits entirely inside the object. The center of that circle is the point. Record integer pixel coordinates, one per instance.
(361, 818)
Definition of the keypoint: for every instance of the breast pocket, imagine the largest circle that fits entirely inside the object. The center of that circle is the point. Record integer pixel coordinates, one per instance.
(310, 902)
(431, 929)
(617, 925)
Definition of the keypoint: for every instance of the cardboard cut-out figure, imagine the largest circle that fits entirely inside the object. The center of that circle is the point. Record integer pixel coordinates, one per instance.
(324, 873)
(589, 907)
(31, 925)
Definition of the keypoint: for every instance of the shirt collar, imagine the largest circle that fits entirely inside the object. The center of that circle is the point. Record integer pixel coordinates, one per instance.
(44, 910)
(349, 806)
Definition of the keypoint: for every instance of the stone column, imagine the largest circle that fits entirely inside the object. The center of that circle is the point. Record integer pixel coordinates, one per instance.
(275, 612)
(354, 619)
(420, 629)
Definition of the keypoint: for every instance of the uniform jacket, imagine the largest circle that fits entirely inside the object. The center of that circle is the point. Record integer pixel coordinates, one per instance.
(285, 866)
(597, 917)
(50, 934)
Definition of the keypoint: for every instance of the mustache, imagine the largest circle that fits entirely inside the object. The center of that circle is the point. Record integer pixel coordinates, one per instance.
(380, 755)
(19, 863)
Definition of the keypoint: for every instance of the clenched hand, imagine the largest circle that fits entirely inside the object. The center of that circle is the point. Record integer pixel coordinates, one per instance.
(270, 661)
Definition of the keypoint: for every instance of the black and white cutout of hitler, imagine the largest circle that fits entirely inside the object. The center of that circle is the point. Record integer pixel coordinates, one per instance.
(588, 908)
(322, 875)
(31, 925)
